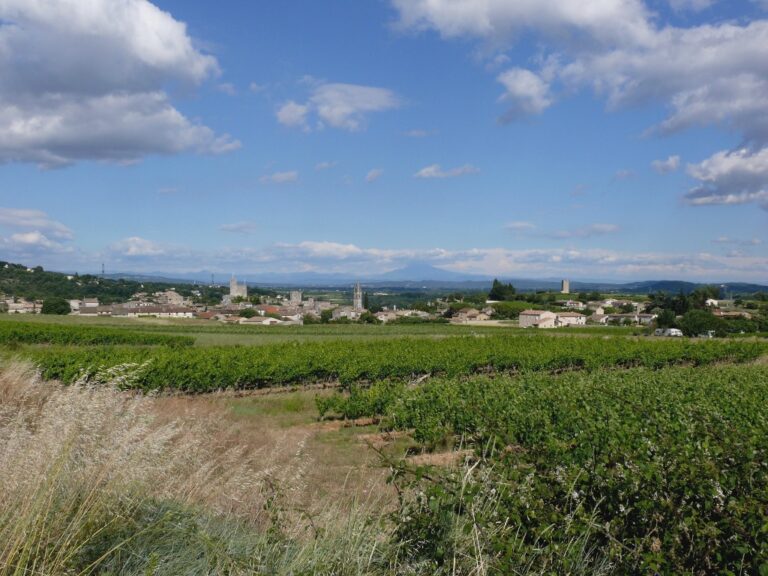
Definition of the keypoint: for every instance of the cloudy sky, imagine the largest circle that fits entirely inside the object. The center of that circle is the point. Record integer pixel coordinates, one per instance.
(619, 139)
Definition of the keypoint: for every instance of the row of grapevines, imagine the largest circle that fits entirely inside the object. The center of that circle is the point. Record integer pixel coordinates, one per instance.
(37, 333)
(653, 472)
(207, 369)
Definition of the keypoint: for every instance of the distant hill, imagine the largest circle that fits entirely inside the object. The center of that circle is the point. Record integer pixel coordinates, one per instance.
(16, 280)
(37, 284)
(422, 272)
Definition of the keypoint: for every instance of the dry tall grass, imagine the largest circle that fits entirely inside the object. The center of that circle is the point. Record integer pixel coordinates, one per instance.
(92, 480)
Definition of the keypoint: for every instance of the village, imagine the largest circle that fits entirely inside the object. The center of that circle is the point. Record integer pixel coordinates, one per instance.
(293, 308)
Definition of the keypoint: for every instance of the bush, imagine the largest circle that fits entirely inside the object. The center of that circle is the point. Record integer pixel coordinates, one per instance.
(58, 306)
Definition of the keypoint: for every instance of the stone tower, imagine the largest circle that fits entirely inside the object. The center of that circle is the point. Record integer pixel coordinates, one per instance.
(565, 287)
(357, 298)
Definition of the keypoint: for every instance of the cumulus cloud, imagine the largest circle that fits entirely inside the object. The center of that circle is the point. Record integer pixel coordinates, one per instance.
(501, 21)
(738, 177)
(343, 106)
(671, 164)
(87, 81)
(136, 246)
(292, 114)
(526, 93)
(436, 171)
(139, 254)
(320, 166)
(280, 178)
(374, 175)
(39, 221)
(351, 258)
(706, 74)
(244, 227)
(227, 88)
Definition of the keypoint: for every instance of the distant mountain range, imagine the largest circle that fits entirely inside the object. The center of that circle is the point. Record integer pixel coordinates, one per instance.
(422, 276)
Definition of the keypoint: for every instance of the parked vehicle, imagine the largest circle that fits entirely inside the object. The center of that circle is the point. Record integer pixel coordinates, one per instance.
(669, 332)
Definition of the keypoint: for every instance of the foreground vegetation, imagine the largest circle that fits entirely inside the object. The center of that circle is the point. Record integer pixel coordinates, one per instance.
(93, 481)
(509, 452)
(649, 471)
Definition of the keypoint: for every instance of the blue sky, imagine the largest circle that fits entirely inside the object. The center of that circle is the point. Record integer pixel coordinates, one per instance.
(622, 140)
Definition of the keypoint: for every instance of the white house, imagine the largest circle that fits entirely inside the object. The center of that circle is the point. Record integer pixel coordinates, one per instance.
(386, 316)
(155, 311)
(570, 319)
(537, 319)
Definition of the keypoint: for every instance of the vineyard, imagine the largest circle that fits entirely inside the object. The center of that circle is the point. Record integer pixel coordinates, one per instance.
(651, 471)
(215, 368)
(573, 454)
(15, 333)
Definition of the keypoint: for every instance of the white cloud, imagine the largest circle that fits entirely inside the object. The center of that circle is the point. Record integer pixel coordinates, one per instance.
(501, 20)
(374, 175)
(671, 164)
(623, 174)
(520, 226)
(692, 5)
(139, 254)
(419, 133)
(736, 241)
(256, 88)
(706, 74)
(22, 218)
(586, 231)
(244, 227)
(87, 80)
(526, 93)
(137, 247)
(36, 239)
(293, 115)
(280, 178)
(737, 177)
(227, 88)
(343, 106)
(320, 166)
(436, 171)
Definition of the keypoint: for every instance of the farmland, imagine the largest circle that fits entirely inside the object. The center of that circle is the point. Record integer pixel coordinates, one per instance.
(507, 451)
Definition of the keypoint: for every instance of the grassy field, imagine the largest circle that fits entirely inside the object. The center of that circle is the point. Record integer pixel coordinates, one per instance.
(450, 450)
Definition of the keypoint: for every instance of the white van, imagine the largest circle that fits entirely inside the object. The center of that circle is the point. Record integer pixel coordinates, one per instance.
(672, 332)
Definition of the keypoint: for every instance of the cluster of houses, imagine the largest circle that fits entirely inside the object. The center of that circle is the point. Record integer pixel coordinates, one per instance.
(598, 313)
(20, 306)
(237, 308)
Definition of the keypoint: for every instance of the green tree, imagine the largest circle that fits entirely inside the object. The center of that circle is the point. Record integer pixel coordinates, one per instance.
(501, 292)
(698, 322)
(368, 318)
(247, 313)
(54, 305)
(326, 316)
(666, 319)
